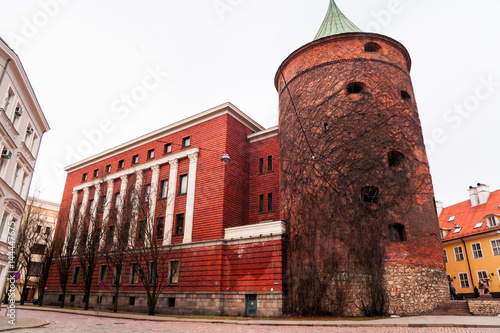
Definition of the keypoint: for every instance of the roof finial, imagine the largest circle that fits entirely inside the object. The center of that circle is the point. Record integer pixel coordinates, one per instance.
(335, 23)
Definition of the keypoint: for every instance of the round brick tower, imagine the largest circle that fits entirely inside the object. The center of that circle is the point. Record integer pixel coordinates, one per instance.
(356, 189)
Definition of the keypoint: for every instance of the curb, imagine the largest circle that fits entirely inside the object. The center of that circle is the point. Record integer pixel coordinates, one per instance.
(248, 322)
(14, 328)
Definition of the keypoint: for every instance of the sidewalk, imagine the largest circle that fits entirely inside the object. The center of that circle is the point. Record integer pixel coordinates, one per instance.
(421, 321)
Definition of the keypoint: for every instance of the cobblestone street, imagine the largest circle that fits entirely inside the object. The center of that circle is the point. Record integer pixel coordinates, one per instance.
(61, 322)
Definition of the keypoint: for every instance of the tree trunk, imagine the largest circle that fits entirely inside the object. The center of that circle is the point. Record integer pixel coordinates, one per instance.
(151, 307)
(63, 299)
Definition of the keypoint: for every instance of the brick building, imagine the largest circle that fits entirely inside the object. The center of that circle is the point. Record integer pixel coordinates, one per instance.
(344, 179)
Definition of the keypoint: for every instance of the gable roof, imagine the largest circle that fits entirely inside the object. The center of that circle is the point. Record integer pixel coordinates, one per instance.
(468, 217)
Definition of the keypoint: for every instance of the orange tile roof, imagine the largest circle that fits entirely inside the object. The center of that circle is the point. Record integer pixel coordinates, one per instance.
(468, 217)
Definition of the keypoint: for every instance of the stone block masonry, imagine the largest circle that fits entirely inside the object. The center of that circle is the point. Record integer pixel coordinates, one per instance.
(484, 307)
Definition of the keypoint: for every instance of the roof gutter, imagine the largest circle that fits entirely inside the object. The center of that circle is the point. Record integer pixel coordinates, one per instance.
(4, 70)
(468, 263)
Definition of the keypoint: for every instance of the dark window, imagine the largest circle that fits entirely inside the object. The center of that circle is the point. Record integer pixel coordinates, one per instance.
(96, 173)
(152, 277)
(135, 159)
(183, 184)
(48, 230)
(110, 235)
(405, 96)
(121, 164)
(72, 298)
(164, 188)
(142, 229)
(372, 47)
(261, 165)
(269, 163)
(108, 168)
(76, 275)
(117, 274)
(397, 233)
(370, 194)
(270, 202)
(179, 224)
(355, 87)
(261, 203)
(60, 298)
(151, 154)
(159, 227)
(38, 249)
(38, 229)
(102, 272)
(167, 148)
(131, 300)
(395, 159)
(186, 142)
(84, 177)
(171, 302)
(134, 274)
(102, 203)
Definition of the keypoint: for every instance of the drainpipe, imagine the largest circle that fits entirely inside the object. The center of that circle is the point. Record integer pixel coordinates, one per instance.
(4, 70)
(468, 264)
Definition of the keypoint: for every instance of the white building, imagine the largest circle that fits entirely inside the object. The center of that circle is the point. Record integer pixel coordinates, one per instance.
(22, 125)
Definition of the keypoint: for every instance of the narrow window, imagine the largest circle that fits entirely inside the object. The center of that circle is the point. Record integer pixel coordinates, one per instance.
(459, 254)
(151, 154)
(159, 227)
(397, 233)
(38, 229)
(135, 159)
(167, 148)
(134, 274)
(261, 203)
(183, 184)
(108, 168)
(445, 256)
(72, 298)
(174, 272)
(96, 173)
(110, 235)
(48, 231)
(102, 203)
(261, 165)
(76, 275)
(142, 230)
(372, 47)
(405, 96)
(171, 302)
(186, 142)
(325, 127)
(495, 246)
(269, 202)
(7, 100)
(269, 163)
(464, 280)
(477, 252)
(355, 88)
(370, 194)
(147, 191)
(102, 272)
(117, 274)
(117, 200)
(131, 300)
(164, 188)
(84, 177)
(121, 164)
(179, 224)
(395, 159)
(152, 271)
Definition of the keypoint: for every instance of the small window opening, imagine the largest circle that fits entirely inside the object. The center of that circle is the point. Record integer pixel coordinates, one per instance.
(395, 159)
(372, 47)
(171, 302)
(325, 127)
(405, 96)
(131, 300)
(355, 87)
(72, 298)
(370, 194)
(397, 233)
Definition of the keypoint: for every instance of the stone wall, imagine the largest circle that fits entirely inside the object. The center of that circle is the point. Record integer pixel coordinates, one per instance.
(269, 304)
(484, 307)
(415, 290)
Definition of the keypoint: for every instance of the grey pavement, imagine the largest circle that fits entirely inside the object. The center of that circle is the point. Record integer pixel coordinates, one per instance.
(36, 317)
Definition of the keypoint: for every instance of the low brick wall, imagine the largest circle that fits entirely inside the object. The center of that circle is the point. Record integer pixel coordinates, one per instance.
(269, 304)
(484, 307)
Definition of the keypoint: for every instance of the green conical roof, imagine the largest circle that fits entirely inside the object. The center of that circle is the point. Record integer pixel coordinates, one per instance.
(335, 23)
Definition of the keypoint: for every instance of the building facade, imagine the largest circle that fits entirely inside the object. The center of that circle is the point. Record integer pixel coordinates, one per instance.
(39, 224)
(22, 125)
(470, 231)
(331, 212)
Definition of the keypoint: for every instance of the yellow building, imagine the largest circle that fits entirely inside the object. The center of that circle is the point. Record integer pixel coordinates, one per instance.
(471, 240)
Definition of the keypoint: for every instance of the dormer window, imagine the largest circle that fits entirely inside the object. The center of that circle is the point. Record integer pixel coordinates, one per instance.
(444, 233)
(479, 225)
(492, 221)
(452, 218)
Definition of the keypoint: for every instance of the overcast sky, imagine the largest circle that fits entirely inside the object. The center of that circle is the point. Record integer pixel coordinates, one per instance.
(85, 58)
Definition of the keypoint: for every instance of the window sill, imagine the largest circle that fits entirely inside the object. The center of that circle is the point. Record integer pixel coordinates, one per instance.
(181, 194)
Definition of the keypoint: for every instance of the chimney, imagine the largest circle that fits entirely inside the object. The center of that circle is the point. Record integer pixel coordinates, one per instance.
(483, 193)
(439, 207)
(479, 195)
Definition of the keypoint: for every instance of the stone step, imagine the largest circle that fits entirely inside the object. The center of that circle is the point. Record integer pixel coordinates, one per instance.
(451, 308)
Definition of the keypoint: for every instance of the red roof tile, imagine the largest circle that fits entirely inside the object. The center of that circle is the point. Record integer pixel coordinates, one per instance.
(468, 217)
